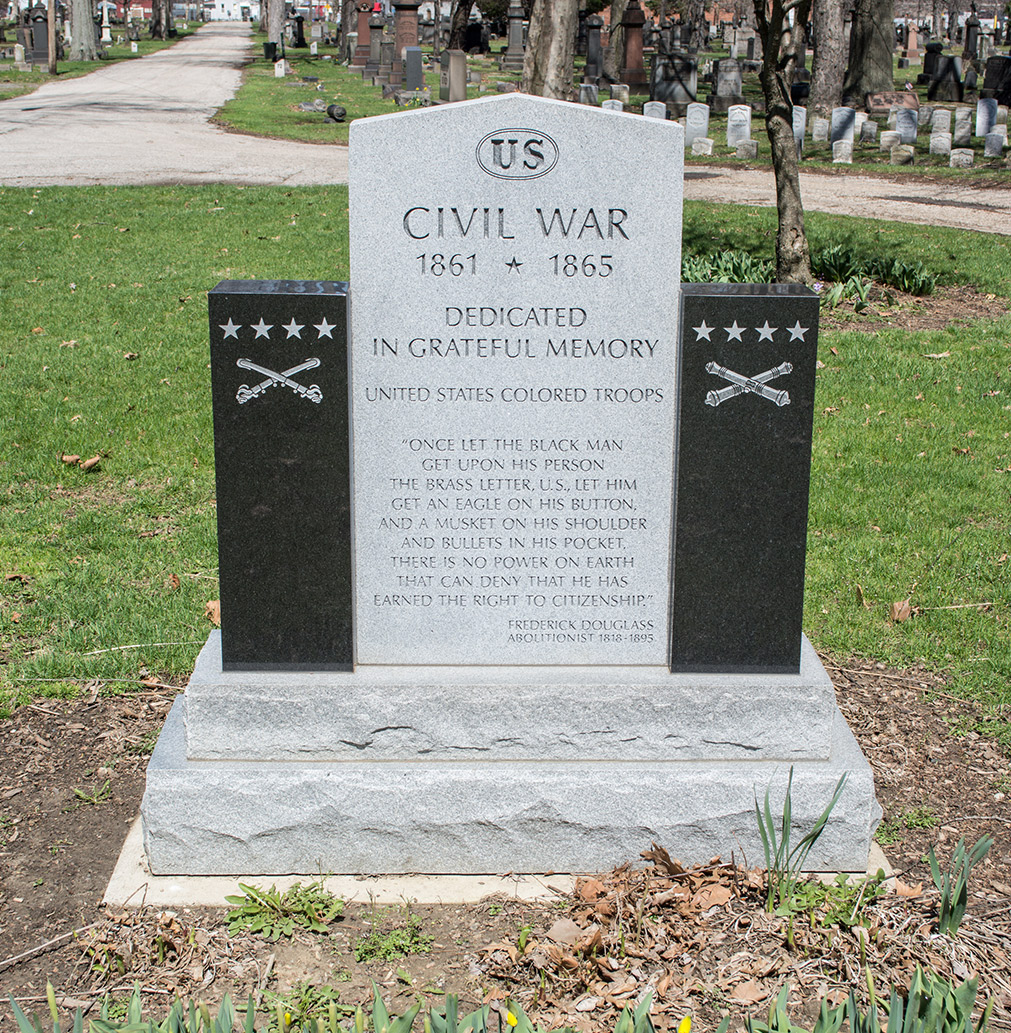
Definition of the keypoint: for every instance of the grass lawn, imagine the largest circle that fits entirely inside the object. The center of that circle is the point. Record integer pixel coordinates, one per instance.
(103, 352)
(267, 106)
(17, 84)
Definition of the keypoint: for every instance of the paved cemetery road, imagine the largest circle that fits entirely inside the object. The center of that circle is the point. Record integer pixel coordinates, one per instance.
(964, 204)
(148, 121)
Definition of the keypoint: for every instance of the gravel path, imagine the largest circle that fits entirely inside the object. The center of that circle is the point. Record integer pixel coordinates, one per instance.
(148, 121)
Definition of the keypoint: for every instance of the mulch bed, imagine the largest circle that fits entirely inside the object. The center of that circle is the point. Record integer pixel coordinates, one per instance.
(71, 777)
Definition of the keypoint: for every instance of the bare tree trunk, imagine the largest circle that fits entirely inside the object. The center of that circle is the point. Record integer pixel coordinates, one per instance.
(160, 14)
(349, 23)
(698, 26)
(829, 56)
(458, 22)
(275, 22)
(547, 64)
(615, 42)
(936, 17)
(793, 256)
(872, 40)
(82, 32)
(50, 35)
(953, 10)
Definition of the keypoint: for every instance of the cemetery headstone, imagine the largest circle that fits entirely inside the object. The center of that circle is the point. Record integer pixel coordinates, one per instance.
(696, 122)
(799, 128)
(906, 124)
(588, 93)
(728, 85)
(414, 69)
(362, 48)
(820, 130)
(925, 115)
(940, 143)
(941, 121)
(888, 139)
(962, 133)
(993, 145)
(997, 78)
(946, 79)
(280, 68)
(747, 149)
(654, 109)
(881, 103)
(702, 146)
(986, 115)
(314, 48)
(632, 71)
(869, 132)
(903, 154)
(405, 30)
(674, 80)
(843, 122)
(133, 48)
(521, 485)
(738, 124)
(612, 105)
(620, 92)
(594, 52)
(842, 152)
(452, 76)
(961, 158)
(512, 59)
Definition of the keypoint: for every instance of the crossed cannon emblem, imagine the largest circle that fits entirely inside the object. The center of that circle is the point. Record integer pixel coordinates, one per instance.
(755, 385)
(245, 392)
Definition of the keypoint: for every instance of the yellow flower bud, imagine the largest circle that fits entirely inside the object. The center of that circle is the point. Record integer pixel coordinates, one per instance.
(512, 1020)
(685, 1025)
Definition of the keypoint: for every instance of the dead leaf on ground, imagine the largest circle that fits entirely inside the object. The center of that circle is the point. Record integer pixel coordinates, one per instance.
(749, 992)
(901, 611)
(903, 890)
(564, 931)
(90, 464)
(131, 355)
(212, 611)
(173, 581)
(23, 578)
(714, 895)
(659, 856)
(937, 355)
(590, 889)
(862, 599)
(70, 460)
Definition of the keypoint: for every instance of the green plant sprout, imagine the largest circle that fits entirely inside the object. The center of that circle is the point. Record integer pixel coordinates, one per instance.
(953, 884)
(783, 865)
(272, 914)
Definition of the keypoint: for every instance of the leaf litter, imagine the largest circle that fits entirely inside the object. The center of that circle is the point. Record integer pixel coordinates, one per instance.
(698, 937)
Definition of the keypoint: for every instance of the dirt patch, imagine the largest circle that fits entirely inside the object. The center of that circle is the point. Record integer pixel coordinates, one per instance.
(71, 778)
(888, 307)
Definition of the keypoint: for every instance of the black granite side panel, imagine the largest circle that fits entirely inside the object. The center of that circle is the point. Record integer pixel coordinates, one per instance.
(746, 405)
(282, 462)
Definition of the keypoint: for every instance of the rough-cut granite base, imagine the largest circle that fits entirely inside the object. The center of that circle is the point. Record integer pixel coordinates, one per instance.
(550, 811)
(506, 713)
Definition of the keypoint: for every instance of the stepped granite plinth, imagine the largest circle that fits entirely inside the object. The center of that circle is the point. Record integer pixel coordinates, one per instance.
(395, 770)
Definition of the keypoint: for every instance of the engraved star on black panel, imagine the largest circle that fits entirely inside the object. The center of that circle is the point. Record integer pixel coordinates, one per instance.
(514, 265)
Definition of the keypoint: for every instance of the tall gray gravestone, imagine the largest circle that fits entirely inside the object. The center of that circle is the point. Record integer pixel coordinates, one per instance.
(542, 427)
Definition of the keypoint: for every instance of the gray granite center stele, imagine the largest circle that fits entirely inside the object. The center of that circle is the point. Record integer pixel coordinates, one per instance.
(514, 332)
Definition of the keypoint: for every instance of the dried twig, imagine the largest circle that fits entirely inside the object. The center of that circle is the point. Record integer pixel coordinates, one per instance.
(43, 947)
